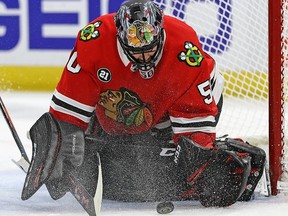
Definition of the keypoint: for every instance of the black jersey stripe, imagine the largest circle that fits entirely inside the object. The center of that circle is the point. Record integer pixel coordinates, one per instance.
(194, 124)
(71, 107)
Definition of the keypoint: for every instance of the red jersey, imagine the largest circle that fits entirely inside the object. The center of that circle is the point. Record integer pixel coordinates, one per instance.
(183, 91)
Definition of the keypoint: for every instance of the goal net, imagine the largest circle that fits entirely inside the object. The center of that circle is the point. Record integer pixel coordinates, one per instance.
(237, 36)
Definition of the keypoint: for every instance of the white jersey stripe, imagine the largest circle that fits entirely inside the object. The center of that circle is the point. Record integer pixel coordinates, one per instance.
(192, 120)
(179, 130)
(218, 87)
(73, 102)
(218, 84)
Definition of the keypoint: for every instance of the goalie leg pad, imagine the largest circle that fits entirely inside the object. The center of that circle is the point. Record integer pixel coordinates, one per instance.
(57, 188)
(87, 173)
(189, 157)
(138, 168)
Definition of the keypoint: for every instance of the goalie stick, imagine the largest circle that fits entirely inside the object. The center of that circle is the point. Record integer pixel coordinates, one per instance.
(91, 204)
(23, 163)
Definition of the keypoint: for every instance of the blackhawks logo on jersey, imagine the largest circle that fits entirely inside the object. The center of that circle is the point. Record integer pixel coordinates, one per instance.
(192, 56)
(90, 31)
(125, 106)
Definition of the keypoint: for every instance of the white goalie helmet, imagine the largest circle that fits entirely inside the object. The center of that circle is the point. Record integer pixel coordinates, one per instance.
(140, 30)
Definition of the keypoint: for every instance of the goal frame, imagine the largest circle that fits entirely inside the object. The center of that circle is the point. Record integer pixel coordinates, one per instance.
(275, 92)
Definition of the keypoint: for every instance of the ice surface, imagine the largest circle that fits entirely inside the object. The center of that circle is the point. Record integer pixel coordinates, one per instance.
(25, 109)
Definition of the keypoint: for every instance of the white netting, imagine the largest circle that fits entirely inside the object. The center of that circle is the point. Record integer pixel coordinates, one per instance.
(284, 44)
(236, 35)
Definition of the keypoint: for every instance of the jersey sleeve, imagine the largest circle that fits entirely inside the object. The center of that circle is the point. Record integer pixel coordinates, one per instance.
(75, 96)
(194, 113)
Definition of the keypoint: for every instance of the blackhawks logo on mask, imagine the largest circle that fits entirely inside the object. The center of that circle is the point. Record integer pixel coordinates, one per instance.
(90, 31)
(125, 106)
(140, 34)
(192, 56)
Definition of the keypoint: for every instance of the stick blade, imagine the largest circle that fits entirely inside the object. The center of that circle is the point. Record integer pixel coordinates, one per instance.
(91, 202)
(22, 164)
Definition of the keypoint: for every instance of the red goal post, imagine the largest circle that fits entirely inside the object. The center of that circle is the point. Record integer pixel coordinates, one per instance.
(278, 63)
(249, 44)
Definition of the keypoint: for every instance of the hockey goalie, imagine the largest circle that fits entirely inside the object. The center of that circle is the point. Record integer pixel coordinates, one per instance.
(139, 90)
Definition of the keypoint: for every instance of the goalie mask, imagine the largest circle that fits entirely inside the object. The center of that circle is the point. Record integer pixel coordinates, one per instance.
(140, 33)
